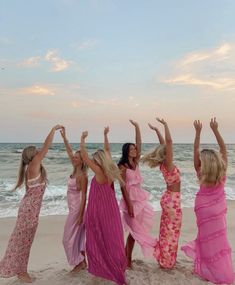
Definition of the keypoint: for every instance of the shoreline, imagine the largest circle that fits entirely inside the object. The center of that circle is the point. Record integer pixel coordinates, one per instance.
(48, 261)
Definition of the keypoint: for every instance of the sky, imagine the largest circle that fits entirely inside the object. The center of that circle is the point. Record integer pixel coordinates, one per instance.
(87, 64)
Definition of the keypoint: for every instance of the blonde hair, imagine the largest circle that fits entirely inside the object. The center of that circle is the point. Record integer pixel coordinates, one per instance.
(27, 156)
(84, 167)
(155, 157)
(213, 167)
(109, 168)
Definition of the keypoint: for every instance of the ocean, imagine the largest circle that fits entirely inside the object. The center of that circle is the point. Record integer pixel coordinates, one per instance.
(59, 168)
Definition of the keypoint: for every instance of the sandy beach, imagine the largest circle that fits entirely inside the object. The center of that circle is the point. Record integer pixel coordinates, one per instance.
(49, 265)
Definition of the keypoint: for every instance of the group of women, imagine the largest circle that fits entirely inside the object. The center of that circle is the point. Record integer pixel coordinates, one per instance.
(93, 233)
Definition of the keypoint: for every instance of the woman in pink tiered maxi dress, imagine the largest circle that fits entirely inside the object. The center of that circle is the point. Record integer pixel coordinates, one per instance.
(104, 233)
(211, 250)
(171, 216)
(15, 261)
(138, 214)
(74, 229)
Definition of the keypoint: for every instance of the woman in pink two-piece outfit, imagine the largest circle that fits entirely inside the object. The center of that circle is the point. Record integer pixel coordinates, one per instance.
(15, 261)
(171, 217)
(74, 229)
(211, 251)
(138, 214)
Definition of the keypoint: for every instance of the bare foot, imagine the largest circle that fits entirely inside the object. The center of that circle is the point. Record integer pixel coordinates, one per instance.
(25, 277)
(82, 265)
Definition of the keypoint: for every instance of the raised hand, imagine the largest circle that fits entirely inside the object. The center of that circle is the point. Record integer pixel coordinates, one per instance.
(162, 121)
(106, 130)
(197, 125)
(133, 123)
(152, 127)
(84, 134)
(213, 124)
(57, 127)
(62, 132)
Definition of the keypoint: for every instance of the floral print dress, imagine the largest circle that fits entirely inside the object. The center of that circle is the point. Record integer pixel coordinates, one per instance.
(171, 219)
(17, 253)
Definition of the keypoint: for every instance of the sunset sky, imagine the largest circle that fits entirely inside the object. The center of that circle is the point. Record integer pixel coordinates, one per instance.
(92, 63)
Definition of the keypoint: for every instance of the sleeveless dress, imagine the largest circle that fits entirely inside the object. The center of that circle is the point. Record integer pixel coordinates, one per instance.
(171, 220)
(211, 251)
(104, 234)
(17, 253)
(74, 234)
(141, 224)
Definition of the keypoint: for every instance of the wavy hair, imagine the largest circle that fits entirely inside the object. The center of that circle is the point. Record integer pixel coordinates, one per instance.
(155, 157)
(213, 167)
(109, 168)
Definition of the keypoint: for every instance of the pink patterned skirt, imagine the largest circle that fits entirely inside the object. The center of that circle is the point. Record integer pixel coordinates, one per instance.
(171, 219)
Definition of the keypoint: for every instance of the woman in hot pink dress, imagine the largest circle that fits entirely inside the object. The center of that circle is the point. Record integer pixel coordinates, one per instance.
(171, 217)
(104, 232)
(138, 214)
(211, 251)
(74, 229)
(15, 261)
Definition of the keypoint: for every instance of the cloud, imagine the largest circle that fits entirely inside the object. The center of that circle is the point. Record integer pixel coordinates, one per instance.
(87, 44)
(38, 91)
(210, 69)
(219, 53)
(58, 64)
(188, 79)
(33, 61)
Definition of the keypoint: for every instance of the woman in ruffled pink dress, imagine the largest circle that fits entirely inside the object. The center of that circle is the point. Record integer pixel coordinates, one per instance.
(171, 217)
(211, 251)
(74, 229)
(31, 171)
(138, 214)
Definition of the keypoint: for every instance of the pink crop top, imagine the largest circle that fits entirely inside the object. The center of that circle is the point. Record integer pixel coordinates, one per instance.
(171, 177)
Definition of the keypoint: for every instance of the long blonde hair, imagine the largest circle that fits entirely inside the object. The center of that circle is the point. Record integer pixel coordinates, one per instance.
(109, 168)
(84, 167)
(27, 156)
(155, 157)
(213, 167)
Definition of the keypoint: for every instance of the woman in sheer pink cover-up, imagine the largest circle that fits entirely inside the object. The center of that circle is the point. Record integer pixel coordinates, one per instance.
(211, 250)
(15, 261)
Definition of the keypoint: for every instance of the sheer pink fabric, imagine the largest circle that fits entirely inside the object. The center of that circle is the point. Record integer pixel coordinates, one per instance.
(211, 250)
(74, 234)
(141, 224)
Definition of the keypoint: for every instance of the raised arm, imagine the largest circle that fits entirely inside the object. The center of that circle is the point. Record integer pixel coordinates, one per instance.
(85, 156)
(137, 138)
(159, 135)
(106, 142)
(220, 141)
(83, 185)
(169, 145)
(198, 128)
(36, 162)
(67, 144)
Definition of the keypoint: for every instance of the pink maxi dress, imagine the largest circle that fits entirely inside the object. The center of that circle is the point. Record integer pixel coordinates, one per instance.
(171, 220)
(17, 253)
(104, 234)
(211, 250)
(74, 234)
(141, 224)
